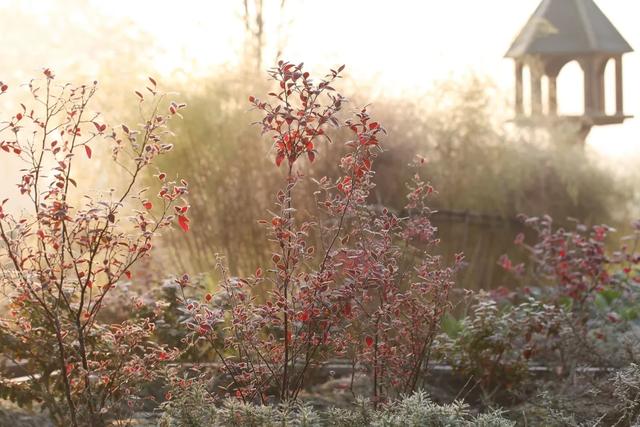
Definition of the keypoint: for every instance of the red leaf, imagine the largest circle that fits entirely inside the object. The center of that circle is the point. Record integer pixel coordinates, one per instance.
(304, 316)
(147, 205)
(311, 155)
(505, 263)
(99, 127)
(347, 310)
(128, 274)
(279, 158)
(259, 272)
(519, 239)
(4, 88)
(183, 221)
(87, 150)
(369, 341)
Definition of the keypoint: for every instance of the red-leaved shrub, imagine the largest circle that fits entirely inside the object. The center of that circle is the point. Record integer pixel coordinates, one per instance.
(64, 253)
(349, 281)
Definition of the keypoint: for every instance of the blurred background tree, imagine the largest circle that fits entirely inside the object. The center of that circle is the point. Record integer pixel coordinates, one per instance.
(254, 17)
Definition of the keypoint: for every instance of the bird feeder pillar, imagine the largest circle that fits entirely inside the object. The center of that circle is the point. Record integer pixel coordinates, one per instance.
(619, 101)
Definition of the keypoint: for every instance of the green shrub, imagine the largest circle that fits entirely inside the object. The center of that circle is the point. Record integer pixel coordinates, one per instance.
(627, 393)
(494, 344)
(194, 409)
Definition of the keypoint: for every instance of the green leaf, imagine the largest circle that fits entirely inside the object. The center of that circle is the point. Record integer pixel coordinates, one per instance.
(630, 313)
(451, 326)
(601, 303)
(566, 302)
(610, 295)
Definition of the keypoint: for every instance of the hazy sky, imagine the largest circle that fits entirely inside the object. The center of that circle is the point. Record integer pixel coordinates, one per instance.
(404, 45)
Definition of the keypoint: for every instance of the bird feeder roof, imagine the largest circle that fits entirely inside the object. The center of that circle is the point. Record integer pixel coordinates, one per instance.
(568, 27)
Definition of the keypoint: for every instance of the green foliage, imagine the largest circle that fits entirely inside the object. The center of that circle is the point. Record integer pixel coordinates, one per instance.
(627, 393)
(452, 326)
(494, 344)
(193, 409)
